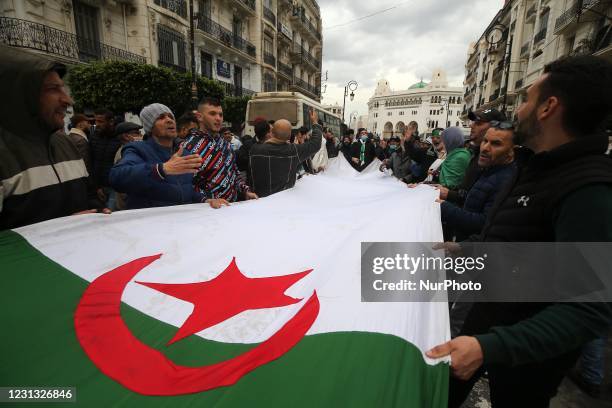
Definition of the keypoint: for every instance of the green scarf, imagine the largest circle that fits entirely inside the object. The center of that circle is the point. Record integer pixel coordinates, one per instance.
(362, 153)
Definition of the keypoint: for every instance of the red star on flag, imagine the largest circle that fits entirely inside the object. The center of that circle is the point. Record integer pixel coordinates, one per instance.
(227, 295)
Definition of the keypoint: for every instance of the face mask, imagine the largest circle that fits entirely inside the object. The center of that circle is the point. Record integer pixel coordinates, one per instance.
(364, 138)
(392, 148)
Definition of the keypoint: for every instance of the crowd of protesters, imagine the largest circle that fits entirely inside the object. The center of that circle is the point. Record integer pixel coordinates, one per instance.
(543, 177)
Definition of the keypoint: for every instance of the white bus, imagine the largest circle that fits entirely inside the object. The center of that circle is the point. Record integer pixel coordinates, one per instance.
(292, 106)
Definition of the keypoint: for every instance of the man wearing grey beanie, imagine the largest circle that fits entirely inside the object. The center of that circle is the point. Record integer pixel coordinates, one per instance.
(151, 173)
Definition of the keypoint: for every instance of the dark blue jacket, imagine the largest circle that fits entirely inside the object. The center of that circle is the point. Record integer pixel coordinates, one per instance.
(471, 218)
(139, 174)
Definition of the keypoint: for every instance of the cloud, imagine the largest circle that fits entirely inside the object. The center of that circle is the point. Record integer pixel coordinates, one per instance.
(401, 45)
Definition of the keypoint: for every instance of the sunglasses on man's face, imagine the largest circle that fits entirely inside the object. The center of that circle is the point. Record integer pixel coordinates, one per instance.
(501, 125)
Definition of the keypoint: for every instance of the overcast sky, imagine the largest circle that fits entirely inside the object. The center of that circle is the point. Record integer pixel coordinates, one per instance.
(401, 45)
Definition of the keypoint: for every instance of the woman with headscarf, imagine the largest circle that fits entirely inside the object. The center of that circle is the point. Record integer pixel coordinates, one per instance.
(457, 159)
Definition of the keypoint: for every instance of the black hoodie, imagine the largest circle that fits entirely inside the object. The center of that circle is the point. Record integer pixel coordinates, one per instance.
(42, 174)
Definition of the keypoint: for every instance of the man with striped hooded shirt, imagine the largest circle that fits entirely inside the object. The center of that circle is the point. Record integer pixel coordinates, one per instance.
(42, 173)
(218, 177)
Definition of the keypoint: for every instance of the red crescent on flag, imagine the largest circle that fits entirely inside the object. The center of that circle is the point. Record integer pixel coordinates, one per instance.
(120, 355)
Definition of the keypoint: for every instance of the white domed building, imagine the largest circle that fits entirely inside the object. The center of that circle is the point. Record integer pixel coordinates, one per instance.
(425, 103)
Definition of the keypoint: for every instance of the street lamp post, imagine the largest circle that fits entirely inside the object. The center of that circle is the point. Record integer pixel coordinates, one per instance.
(496, 35)
(194, 84)
(350, 86)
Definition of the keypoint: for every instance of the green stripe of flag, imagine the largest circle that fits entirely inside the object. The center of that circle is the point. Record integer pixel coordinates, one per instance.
(38, 298)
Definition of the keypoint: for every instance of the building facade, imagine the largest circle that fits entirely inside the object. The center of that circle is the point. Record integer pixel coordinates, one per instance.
(533, 33)
(246, 45)
(431, 105)
(336, 109)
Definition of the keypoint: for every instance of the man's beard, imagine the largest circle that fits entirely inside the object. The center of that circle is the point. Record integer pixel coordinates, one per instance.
(526, 130)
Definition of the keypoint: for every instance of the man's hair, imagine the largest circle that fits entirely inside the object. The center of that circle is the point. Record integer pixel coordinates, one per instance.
(303, 130)
(582, 84)
(360, 130)
(413, 124)
(104, 112)
(261, 129)
(209, 100)
(185, 119)
(78, 118)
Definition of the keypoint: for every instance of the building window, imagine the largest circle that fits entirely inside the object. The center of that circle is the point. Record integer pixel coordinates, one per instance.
(87, 31)
(204, 7)
(401, 113)
(207, 65)
(269, 83)
(171, 46)
(389, 113)
(268, 56)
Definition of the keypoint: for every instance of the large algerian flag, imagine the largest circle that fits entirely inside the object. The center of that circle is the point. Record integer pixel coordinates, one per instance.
(257, 304)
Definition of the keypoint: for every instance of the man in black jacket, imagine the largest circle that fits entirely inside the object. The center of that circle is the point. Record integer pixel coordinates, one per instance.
(496, 161)
(345, 147)
(103, 147)
(563, 193)
(42, 174)
(330, 143)
(363, 151)
(481, 122)
(274, 164)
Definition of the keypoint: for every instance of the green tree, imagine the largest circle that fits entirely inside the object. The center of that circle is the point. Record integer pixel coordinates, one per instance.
(234, 110)
(128, 87)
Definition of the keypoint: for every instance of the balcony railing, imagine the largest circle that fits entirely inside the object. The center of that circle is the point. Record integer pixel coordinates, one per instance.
(233, 90)
(567, 16)
(27, 34)
(540, 36)
(176, 6)
(525, 48)
(269, 15)
(250, 4)
(225, 36)
(306, 86)
(285, 69)
(306, 56)
(298, 12)
(269, 59)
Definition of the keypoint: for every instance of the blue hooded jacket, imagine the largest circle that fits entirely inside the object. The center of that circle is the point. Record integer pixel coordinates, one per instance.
(140, 176)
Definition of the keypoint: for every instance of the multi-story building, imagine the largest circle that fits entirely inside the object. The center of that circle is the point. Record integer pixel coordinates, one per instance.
(533, 33)
(76, 30)
(247, 45)
(431, 105)
(300, 21)
(336, 109)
